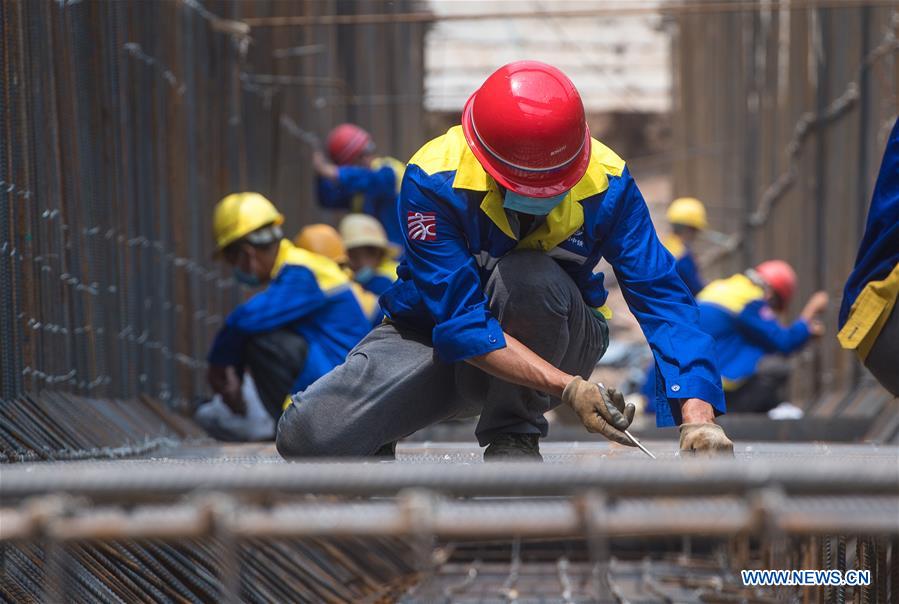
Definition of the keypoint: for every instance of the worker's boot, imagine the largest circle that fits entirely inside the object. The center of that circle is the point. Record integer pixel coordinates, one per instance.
(386, 452)
(514, 447)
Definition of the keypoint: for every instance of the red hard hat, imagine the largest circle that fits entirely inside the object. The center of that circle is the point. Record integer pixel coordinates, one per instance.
(346, 142)
(780, 277)
(526, 126)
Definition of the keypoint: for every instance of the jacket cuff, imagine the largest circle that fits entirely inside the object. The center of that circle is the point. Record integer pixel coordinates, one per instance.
(469, 335)
(670, 393)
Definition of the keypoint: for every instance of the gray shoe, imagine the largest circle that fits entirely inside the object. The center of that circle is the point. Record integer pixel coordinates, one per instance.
(514, 447)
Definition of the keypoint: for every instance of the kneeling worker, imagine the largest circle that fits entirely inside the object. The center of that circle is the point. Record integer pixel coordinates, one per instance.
(497, 309)
(294, 331)
(370, 254)
(869, 316)
(740, 313)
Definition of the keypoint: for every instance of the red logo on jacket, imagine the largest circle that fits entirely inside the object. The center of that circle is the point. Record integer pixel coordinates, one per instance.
(422, 226)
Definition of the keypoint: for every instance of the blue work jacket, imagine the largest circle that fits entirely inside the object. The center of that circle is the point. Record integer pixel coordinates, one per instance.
(684, 262)
(380, 279)
(456, 229)
(308, 294)
(734, 312)
(371, 191)
(878, 256)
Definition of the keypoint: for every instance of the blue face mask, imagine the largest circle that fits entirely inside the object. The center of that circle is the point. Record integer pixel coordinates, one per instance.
(532, 205)
(246, 278)
(365, 274)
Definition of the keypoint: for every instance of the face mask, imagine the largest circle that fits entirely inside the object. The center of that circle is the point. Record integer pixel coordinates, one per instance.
(364, 274)
(532, 205)
(246, 278)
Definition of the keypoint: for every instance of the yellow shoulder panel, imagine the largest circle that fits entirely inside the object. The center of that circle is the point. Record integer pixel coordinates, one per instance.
(675, 245)
(733, 293)
(327, 273)
(443, 153)
(387, 268)
(869, 314)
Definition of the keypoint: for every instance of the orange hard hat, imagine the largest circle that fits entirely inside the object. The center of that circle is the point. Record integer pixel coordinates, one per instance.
(526, 126)
(780, 277)
(347, 142)
(323, 239)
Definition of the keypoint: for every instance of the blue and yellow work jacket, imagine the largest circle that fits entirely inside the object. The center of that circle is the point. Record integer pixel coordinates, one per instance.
(380, 279)
(456, 229)
(368, 190)
(734, 312)
(873, 286)
(684, 262)
(310, 295)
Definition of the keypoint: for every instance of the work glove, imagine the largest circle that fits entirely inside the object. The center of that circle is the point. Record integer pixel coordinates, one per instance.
(601, 410)
(705, 440)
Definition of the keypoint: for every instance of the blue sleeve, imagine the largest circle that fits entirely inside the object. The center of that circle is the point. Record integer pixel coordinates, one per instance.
(445, 273)
(686, 268)
(356, 179)
(291, 296)
(758, 324)
(590, 284)
(332, 195)
(659, 299)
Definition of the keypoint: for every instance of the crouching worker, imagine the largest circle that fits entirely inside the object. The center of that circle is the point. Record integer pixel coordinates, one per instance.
(323, 239)
(741, 314)
(296, 329)
(370, 254)
(497, 310)
(869, 318)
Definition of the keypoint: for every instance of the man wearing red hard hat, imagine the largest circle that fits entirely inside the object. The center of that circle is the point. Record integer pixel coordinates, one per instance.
(740, 313)
(497, 309)
(353, 178)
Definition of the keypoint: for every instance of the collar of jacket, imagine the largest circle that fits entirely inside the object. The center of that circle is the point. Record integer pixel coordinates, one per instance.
(563, 220)
(328, 274)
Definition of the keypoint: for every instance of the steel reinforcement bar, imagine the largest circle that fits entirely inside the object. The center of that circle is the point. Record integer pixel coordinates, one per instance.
(152, 480)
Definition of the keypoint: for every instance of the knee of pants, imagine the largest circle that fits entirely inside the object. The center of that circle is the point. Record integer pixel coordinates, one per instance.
(296, 437)
(532, 276)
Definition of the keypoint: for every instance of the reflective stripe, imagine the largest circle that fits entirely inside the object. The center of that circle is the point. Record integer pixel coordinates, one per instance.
(563, 254)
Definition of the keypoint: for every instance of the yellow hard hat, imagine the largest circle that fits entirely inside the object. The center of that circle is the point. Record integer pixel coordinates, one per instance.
(688, 211)
(359, 230)
(239, 214)
(322, 239)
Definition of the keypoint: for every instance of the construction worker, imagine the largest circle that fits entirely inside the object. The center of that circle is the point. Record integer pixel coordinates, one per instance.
(324, 239)
(497, 309)
(355, 179)
(370, 254)
(869, 321)
(687, 218)
(741, 315)
(292, 332)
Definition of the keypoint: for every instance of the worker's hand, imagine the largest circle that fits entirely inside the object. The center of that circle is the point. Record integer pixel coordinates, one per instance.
(225, 382)
(817, 303)
(323, 166)
(816, 328)
(705, 440)
(600, 410)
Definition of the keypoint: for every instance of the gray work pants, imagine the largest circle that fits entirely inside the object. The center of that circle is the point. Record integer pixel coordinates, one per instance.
(392, 385)
(883, 359)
